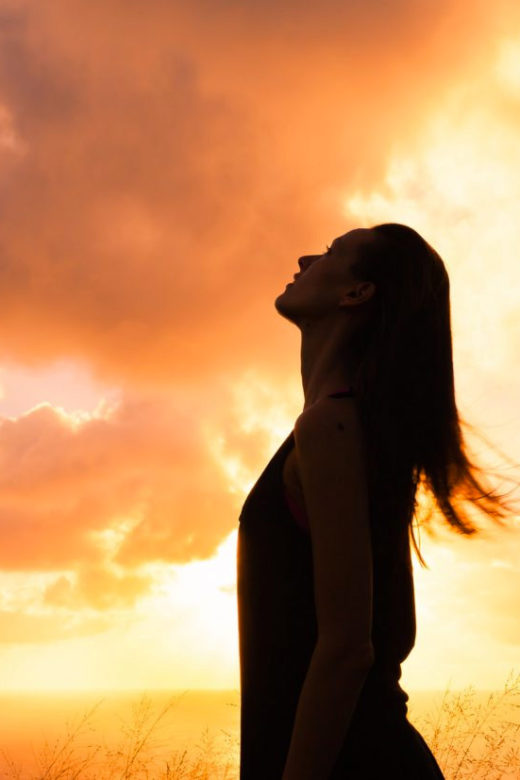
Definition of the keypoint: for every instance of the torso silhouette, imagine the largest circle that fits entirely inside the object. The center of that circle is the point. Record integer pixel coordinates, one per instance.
(277, 620)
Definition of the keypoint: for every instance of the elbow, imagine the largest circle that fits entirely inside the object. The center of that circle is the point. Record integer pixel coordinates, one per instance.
(355, 655)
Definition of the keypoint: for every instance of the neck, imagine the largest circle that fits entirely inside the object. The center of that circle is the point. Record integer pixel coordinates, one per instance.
(325, 363)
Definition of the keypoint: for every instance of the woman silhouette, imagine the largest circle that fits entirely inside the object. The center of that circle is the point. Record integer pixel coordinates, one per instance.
(326, 610)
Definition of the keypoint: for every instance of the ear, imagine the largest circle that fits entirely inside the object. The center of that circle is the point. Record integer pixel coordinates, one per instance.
(356, 294)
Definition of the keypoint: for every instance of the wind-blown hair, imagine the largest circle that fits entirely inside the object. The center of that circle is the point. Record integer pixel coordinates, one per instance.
(402, 349)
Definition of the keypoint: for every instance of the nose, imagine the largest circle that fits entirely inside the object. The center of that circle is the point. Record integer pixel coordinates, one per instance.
(305, 261)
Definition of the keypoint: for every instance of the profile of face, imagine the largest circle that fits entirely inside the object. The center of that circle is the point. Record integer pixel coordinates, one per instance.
(325, 284)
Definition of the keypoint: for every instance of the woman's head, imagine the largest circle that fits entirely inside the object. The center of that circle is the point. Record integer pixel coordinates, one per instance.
(382, 274)
(325, 289)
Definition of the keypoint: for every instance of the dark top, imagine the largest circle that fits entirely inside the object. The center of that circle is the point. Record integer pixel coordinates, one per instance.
(278, 629)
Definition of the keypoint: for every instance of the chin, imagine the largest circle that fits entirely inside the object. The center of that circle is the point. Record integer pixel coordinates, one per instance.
(279, 300)
(283, 307)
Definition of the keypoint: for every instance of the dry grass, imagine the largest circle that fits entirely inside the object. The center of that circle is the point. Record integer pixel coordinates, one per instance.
(79, 757)
(467, 740)
(477, 741)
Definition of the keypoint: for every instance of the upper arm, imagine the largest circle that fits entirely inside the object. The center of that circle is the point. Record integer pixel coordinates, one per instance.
(331, 461)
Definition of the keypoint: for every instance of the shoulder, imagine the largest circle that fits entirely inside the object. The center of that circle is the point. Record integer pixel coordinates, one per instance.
(331, 422)
(330, 443)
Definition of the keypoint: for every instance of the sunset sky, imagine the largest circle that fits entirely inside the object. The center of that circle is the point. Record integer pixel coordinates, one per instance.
(163, 165)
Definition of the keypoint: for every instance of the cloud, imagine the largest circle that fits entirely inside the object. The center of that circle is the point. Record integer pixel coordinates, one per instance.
(131, 483)
(97, 587)
(17, 627)
(165, 166)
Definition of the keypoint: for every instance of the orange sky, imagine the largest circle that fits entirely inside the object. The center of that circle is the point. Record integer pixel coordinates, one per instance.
(162, 167)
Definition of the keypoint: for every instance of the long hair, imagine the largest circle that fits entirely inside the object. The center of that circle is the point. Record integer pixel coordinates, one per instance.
(402, 347)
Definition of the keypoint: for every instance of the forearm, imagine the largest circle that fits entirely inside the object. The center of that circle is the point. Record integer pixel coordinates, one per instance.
(328, 698)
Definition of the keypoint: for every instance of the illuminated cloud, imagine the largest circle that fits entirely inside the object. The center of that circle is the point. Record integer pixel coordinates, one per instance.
(20, 628)
(133, 482)
(97, 587)
(166, 165)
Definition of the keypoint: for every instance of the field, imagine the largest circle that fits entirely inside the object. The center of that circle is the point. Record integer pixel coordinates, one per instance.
(195, 734)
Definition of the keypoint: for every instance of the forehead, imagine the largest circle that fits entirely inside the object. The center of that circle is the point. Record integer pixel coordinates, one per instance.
(348, 242)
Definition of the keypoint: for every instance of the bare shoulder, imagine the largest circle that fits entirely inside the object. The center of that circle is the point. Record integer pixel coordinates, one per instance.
(331, 422)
